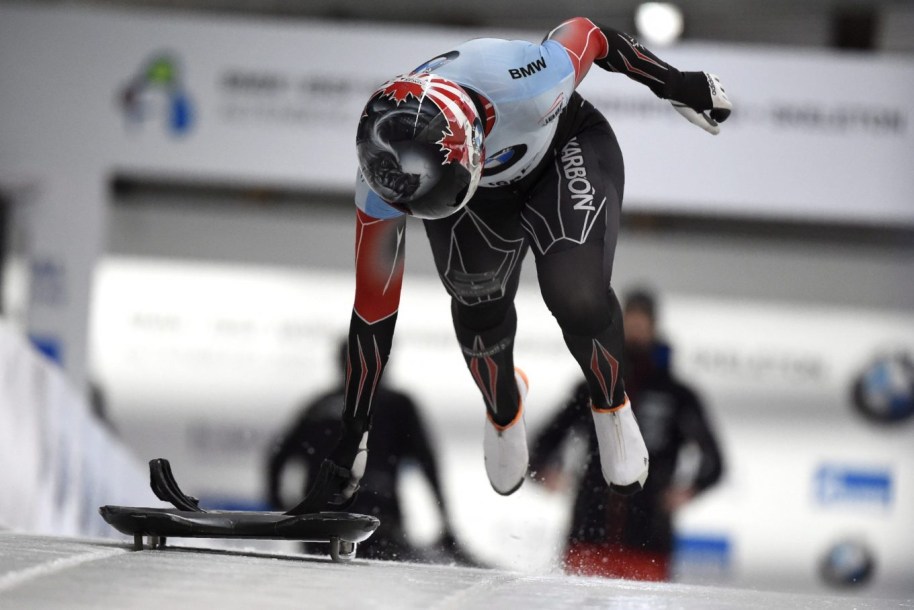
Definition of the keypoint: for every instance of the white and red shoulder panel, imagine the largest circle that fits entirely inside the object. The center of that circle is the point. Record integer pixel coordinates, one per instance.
(584, 41)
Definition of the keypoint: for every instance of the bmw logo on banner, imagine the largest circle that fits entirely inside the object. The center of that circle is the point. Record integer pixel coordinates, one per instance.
(884, 390)
(848, 563)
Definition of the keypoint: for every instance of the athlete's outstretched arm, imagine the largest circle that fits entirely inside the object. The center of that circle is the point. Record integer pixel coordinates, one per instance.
(378, 275)
(696, 95)
(379, 259)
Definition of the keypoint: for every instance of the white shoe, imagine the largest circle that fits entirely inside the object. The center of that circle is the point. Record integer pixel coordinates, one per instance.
(505, 447)
(623, 455)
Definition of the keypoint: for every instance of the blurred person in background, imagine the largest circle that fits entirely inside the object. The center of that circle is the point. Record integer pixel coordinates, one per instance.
(490, 145)
(398, 440)
(98, 405)
(630, 536)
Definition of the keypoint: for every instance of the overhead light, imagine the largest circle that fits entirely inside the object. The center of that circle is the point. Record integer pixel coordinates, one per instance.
(659, 23)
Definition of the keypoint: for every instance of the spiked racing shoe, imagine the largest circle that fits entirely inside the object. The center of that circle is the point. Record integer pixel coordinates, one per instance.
(623, 455)
(505, 447)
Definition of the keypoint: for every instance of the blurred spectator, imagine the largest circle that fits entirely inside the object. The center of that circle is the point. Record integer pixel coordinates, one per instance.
(398, 438)
(630, 536)
(98, 405)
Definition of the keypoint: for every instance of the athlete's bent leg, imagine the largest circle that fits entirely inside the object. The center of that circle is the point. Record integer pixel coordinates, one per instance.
(574, 241)
(591, 323)
(478, 259)
(489, 355)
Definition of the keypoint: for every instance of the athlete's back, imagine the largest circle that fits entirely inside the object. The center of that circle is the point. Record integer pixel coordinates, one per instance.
(523, 86)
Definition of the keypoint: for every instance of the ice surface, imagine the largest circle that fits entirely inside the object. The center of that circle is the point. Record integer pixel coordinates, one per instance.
(47, 572)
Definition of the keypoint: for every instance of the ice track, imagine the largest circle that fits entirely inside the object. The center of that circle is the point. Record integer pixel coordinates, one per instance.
(49, 572)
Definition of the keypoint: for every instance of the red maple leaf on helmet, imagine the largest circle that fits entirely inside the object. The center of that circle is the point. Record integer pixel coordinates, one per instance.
(453, 142)
(400, 89)
(454, 139)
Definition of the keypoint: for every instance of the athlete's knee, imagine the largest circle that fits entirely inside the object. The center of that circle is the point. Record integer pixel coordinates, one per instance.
(580, 312)
(483, 317)
(575, 286)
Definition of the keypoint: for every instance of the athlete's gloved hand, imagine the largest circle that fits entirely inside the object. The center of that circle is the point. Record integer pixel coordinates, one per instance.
(703, 101)
(337, 482)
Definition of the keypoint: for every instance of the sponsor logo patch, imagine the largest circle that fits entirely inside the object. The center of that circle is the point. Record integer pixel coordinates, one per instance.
(529, 70)
(579, 187)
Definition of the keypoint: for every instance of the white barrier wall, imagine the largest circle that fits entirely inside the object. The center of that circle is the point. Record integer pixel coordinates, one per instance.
(814, 134)
(88, 94)
(58, 463)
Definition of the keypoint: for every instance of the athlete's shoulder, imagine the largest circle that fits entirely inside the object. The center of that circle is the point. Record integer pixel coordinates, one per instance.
(499, 66)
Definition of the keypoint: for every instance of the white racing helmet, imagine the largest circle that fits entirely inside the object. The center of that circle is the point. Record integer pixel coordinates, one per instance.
(420, 145)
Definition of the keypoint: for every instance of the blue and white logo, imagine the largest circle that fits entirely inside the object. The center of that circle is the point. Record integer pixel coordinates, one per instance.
(857, 486)
(157, 92)
(884, 391)
(503, 159)
(848, 563)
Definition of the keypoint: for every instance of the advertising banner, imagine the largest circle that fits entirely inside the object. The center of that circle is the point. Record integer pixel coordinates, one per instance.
(814, 135)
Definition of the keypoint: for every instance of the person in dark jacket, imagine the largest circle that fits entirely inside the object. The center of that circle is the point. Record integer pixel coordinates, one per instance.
(631, 536)
(398, 438)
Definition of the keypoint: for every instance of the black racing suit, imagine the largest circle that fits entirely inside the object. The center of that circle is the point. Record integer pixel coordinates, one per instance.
(565, 207)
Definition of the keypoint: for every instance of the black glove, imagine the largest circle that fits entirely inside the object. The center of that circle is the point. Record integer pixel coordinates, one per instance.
(337, 482)
(701, 99)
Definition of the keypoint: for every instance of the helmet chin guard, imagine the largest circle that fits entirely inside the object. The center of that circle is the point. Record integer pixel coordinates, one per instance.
(419, 143)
